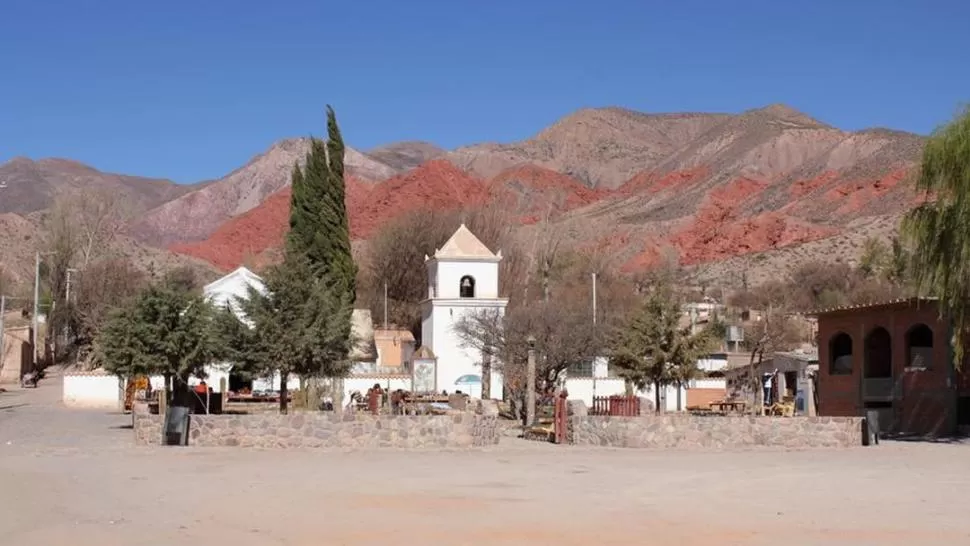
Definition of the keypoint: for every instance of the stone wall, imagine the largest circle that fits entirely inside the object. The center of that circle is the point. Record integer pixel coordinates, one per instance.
(327, 430)
(684, 431)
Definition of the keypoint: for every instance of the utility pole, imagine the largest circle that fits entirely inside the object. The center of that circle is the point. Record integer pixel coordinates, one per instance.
(67, 294)
(530, 385)
(592, 370)
(594, 299)
(3, 310)
(34, 320)
(385, 305)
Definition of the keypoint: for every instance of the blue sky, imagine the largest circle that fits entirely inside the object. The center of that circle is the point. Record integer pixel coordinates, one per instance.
(190, 90)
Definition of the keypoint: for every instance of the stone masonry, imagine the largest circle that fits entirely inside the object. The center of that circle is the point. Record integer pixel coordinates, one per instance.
(326, 430)
(684, 431)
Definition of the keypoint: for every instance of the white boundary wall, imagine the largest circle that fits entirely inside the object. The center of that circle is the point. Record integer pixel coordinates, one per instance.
(585, 388)
(93, 390)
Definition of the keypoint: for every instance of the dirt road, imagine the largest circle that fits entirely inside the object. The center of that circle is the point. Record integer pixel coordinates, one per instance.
(74, 477)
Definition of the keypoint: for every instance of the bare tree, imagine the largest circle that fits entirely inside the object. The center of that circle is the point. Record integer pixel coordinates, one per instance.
(777, 330)
(80, 228)
(563, 334)
(395, 256)
(106, 285)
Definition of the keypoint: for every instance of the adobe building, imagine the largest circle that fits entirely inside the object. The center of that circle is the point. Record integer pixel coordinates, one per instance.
(15, 354)
(895, 358)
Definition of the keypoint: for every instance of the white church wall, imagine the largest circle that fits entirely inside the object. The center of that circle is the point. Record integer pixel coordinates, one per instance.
(449, 274)
(454, 360)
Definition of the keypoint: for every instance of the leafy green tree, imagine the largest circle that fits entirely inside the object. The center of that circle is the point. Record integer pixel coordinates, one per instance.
(874, 259)
(939, 228)
(297, 327)
(653, 348)
(161, 332)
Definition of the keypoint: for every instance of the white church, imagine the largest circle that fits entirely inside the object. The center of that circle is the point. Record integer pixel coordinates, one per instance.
(462, 279)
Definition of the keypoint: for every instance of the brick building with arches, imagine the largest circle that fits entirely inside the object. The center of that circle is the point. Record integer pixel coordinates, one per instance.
(896, 358)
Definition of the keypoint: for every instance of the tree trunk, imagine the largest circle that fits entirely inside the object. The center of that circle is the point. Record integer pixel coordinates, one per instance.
(656, 397)
(486, 375)
(680, 406)
(284, 392)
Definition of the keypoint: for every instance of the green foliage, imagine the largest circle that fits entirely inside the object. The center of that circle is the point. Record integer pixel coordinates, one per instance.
(939, 228)
(297, 327)
(161, 332)
(653, 347)
(319, 228)
(874, 258)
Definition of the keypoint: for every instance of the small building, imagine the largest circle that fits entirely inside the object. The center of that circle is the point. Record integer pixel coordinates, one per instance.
(394, 347)
(15, 353)
(894, 358)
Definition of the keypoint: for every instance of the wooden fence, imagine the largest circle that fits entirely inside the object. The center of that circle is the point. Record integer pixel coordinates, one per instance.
(616, 406)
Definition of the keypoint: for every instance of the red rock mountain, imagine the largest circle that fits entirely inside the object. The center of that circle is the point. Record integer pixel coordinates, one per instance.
(702, 186)
(710, 188)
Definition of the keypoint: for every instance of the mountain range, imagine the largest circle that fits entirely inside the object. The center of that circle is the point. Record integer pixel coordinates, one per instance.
(755, 191)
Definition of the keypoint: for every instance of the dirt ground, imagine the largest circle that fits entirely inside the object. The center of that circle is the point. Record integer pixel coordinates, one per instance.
(74, 477)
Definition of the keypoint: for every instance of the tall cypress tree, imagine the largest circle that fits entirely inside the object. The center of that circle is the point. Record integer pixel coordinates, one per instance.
(319, 228)
(343, 270)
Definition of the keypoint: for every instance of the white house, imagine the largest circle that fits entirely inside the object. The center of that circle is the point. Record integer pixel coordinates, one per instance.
(234, 286)
(462, 279)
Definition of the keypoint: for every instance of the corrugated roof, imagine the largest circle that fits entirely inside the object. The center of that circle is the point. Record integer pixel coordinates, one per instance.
(463, 245)
(884, 303)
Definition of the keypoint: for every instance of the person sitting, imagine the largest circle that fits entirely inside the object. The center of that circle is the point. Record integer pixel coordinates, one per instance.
(201, 388)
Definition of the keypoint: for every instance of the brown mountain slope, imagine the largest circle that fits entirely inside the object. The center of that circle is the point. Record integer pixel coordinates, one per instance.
(30, 186)
(194, 216)
(603, 147)
(702, 187)
(404, 156)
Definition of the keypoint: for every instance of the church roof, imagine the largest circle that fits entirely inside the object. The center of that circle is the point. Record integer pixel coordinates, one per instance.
(463, 245)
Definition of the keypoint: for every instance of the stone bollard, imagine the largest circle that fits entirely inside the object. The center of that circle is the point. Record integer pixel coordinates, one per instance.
(646, 406)
(488, 408)
(577, 408)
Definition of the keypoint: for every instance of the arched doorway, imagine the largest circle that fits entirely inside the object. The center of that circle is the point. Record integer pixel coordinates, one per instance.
(919, 347)
(879, 354)
(840, 354)
(877, 382)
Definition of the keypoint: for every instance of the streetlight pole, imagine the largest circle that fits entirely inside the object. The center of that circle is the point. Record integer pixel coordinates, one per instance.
(34, 320)
(530, 385)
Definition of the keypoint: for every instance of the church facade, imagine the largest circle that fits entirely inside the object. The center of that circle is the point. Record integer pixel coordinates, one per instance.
(463, 278)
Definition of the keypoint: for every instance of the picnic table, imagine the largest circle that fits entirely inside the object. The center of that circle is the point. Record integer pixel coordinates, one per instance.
(725, 406)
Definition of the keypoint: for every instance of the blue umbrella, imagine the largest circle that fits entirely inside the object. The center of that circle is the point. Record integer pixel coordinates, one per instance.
(469, 380)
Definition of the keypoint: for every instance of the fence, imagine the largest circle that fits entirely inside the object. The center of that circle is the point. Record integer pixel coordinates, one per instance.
(616, 406)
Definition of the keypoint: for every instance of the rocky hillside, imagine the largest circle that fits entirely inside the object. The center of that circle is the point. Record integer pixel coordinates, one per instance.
(703, 187)
(733, 189)
(30, 186)
(194, 216)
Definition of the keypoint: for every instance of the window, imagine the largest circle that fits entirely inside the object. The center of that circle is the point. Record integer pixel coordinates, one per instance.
(583, 368)
(467, 287)
(840, 354)
(919, 347)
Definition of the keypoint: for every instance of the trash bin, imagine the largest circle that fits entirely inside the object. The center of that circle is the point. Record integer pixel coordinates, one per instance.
(870, 428)
(176, 429)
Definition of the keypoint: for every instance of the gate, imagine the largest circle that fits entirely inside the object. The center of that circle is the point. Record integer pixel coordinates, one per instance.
(561, 418)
